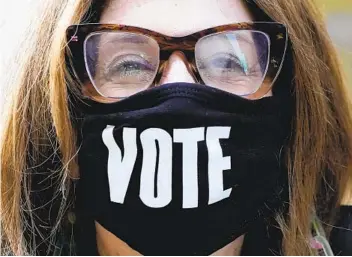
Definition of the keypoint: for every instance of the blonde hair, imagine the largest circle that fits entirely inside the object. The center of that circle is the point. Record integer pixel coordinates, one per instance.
(38, 122)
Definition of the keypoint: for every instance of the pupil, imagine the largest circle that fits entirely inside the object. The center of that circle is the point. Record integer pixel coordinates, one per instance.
(228, 64)
(131, 66)
(223, 63)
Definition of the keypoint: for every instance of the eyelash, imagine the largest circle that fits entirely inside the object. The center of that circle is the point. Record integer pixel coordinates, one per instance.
(127, 59)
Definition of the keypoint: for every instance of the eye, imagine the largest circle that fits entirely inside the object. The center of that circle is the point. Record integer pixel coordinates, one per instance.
(226, 62)
(128, 65)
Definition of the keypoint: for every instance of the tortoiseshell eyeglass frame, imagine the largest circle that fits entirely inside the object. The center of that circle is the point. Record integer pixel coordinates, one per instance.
(277, 33)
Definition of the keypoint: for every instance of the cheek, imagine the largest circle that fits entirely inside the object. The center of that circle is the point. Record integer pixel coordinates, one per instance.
(270, 93)
(264, 91)
(89, 91)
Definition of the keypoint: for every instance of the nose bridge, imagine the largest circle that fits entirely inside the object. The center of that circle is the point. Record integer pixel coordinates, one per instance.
(177, 65)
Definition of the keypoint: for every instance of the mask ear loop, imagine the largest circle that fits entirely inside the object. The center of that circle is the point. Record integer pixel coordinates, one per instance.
(319, 241)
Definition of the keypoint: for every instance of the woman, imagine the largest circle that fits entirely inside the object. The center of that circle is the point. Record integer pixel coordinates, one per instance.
(206, 127)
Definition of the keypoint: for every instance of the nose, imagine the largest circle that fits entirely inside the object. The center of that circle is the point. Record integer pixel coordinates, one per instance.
(176, 70)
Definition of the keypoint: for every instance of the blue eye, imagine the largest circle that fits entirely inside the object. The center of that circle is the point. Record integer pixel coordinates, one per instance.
(227, 63)
(128, 66)
(224, 63)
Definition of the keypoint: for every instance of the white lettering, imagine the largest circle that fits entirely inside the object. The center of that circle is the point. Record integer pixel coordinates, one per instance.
(217, 163)
(156, 171)
(189, 139)
(163, 183)
(120, 168)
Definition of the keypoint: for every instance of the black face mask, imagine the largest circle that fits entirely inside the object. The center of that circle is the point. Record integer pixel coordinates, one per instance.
(182, 169)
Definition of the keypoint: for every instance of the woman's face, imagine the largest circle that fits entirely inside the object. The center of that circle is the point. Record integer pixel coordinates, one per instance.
(173, 18)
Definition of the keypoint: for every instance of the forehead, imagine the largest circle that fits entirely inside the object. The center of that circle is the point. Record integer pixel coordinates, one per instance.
(175, 17)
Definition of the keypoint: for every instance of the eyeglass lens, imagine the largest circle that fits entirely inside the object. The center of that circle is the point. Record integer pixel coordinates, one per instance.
(120, 64)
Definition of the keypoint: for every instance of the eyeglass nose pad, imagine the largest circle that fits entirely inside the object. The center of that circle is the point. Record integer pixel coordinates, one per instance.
(192, 68)
(160, 72)
(189, 65)
(190, 62)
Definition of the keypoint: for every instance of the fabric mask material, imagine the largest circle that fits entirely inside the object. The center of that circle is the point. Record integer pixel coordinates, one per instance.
(182, 169)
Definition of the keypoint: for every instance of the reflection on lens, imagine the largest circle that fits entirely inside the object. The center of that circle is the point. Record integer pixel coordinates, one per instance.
(121, 64)
(233, 61)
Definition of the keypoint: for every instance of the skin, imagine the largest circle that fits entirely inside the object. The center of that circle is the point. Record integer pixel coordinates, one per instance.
(173, 18)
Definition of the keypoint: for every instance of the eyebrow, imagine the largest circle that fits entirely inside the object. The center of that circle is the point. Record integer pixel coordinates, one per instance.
(125, 38)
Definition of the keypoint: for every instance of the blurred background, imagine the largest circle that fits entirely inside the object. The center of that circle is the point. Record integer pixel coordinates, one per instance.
(338, 14)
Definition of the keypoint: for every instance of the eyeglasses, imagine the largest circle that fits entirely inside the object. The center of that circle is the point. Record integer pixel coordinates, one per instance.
(117, 61)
